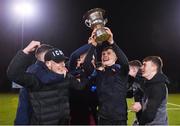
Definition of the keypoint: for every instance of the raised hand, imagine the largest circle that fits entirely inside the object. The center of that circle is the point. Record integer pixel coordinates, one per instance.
(110, 40)
(92, 39)
(31, 47)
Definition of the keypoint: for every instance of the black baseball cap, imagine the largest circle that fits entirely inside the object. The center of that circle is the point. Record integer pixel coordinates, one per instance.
(56, 55)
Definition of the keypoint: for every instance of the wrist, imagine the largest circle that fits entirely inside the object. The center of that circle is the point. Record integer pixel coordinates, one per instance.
(111, 42)
(94, 44)
(25, 51)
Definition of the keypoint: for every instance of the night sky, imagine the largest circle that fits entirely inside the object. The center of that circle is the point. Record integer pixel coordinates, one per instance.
(140, 28)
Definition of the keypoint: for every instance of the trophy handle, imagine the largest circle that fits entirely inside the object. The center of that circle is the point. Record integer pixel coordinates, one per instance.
(88, 24)
(105, 21)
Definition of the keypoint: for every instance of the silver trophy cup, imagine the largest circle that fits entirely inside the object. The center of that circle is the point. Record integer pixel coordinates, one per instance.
(94, 19)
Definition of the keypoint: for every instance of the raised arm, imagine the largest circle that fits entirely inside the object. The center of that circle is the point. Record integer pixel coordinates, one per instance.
(89, 65)
(76, 54)
(122, 59)
(17, 68)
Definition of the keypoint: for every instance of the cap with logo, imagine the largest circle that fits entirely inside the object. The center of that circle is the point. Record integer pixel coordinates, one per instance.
(56, 55)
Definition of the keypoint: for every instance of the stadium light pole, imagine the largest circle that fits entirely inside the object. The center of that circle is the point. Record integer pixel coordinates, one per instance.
(23, 9)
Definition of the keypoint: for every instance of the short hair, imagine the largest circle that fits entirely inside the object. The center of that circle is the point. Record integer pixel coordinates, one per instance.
(42, 48)
(135, 63)
(156, 60)
(106, 48)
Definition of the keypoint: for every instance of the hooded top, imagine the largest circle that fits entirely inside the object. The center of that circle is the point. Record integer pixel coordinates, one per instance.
(156, 92)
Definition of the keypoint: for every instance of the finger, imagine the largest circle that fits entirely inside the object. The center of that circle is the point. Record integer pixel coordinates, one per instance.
(92, 35)
(90, 38)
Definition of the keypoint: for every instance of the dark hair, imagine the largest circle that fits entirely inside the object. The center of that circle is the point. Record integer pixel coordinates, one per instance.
(106, 48)
(43, 48)
(156, 60)
(135, 63)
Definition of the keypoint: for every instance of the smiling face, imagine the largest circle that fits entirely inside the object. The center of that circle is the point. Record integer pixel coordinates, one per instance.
(56, 67)
(108, 57)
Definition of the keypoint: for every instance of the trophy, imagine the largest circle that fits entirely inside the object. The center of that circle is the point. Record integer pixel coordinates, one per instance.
(94, 19)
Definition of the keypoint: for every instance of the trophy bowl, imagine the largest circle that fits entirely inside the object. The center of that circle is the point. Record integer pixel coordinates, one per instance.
(94, 19)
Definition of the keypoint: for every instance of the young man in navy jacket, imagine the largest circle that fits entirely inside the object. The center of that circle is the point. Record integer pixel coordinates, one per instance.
(111, 80)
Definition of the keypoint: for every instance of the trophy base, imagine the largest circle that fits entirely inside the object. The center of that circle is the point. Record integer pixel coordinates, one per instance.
(101, 38)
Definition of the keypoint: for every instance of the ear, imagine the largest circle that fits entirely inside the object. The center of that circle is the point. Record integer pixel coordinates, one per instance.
(115, 57)
(154, 67)
(134, 69)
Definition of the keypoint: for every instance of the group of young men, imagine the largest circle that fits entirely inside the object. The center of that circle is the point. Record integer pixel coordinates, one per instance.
(84, 90)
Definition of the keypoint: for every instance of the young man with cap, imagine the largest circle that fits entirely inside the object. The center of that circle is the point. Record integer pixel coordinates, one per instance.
(50, 103)
(24, 109)
(154, 86)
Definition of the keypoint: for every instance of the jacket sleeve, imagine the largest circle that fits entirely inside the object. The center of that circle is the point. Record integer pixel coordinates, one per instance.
(130, 87)
(17, 71)
(78, 85)
(122, 59)
(76, 54)
(158, 93)
(134, 89)
(87, 65)
(138, 92)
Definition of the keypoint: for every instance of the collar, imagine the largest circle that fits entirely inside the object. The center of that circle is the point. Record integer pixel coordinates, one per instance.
(159, 78)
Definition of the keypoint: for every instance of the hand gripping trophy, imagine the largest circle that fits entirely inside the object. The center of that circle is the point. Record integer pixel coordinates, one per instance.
(94, 19)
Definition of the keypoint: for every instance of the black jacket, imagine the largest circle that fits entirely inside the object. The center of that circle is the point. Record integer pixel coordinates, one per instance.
(111, 86)
(134, 88)
(50, 102)
(156, 92)
(136, 91)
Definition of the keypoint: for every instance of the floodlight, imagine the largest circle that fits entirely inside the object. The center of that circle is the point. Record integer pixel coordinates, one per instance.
(24, 8)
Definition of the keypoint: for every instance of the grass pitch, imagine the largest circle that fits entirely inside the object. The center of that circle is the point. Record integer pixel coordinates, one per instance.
(9, 102)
